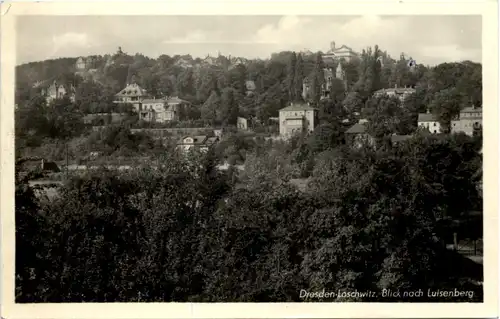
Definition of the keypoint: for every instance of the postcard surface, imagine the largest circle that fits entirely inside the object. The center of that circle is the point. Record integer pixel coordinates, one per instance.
(249, 160)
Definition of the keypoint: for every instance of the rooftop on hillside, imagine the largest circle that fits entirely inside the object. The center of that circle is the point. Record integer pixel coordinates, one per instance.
(358, 128)
(427, 117)
(471, 109)
(298, 107)
(132, 90)
(396, 90)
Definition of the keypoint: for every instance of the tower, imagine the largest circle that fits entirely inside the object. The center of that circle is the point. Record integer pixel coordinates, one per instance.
(332, 45)
(305, 89)
(327, 84)
(339, 74)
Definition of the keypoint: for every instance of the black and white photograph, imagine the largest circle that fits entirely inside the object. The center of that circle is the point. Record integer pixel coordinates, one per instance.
(249, 158)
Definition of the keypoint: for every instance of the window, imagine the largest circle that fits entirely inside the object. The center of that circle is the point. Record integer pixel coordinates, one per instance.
(434, 123)
(435, 132)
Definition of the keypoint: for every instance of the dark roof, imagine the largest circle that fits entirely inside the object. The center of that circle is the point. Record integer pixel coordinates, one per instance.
(153, 101)
(298, 107)
(51, 166)
(175, 99)
(396, 90)
(471, 110)
(197, 140)
(132, 90)
(357, 128)
(36, 164)
(399, 138)
(426, 117)
(115, 117)
(211, 140)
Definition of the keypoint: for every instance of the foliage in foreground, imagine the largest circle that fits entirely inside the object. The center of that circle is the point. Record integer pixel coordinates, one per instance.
(185, 232)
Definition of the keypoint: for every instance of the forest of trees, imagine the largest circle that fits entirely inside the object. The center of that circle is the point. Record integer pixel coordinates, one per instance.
(185, 231)
(218, 94)
(188, 232)
(216, 88)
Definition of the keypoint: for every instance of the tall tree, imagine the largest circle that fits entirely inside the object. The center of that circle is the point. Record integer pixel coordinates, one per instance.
(229, 107)
(211, 109)
(298, 77)
(446, 106)
(290, 77)
(318, 78)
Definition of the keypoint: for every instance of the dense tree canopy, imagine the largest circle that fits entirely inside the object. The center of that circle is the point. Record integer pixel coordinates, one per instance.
(178, 228)
(184, 232)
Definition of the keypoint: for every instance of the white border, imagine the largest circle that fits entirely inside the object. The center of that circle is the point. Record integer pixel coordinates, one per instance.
(489, 308)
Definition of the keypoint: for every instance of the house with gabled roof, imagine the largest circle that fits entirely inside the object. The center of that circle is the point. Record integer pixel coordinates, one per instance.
(430, 122)
(470, 121)
(200, 143)
(357, 135)
(161, 110)
(401, 93)
(57, 91)
(131, 94)
(327, 84)
(397, 139)
(297, 118)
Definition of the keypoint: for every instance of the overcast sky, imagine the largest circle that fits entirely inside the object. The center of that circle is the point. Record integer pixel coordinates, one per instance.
(428, 39)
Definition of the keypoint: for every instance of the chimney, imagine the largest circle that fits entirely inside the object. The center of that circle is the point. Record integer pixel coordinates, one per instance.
(395, 86)
(42, 162)
(428, 111)
(332, 45)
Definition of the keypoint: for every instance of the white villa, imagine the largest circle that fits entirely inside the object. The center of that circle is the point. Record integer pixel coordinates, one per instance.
(430, 122)
(344, 52)
(297, 117)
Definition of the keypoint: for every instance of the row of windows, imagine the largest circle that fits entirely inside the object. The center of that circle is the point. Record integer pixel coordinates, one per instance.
(475, 124)
(429, 124)
(475, 114)
(299, 113)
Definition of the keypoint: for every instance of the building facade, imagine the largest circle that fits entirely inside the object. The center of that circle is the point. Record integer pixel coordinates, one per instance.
(161, 110)
(326, 87)
(429, 121)
(132, 94)
(401, 93)
(335, 54)
(85, 63)
(297, 118)
(81, 64)
(357, 136)
(200, 143)
(470, 121)
(242, 123)
(57, 91)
